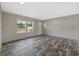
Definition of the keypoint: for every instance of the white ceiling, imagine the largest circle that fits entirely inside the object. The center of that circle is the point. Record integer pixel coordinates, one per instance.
(42, 10)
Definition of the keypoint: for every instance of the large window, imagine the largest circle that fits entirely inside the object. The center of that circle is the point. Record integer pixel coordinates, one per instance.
(29, 26)
(21, 26)
(24, 26)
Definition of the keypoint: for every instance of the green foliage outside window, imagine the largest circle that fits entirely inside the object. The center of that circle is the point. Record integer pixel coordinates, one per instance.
(21, 25)
(24, 26)
(29, 24)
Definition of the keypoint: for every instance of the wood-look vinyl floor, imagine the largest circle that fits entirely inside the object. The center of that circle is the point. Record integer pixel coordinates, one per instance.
(41, 46)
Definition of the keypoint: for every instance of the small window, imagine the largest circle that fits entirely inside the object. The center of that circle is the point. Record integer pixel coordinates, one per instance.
(29, 26)
(21, 26)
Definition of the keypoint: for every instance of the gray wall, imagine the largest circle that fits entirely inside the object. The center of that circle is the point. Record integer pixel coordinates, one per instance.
(9, 27)
(66, 27)
(0, 27)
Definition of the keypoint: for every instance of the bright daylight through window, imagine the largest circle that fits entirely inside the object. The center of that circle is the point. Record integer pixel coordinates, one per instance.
(24, 26)
(21, 26)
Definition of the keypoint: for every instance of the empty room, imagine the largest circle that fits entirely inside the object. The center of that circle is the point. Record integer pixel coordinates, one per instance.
(39, 28)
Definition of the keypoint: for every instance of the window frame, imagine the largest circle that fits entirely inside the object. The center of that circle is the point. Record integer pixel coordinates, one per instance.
(26, 30)
(32, 25)
(17, 23)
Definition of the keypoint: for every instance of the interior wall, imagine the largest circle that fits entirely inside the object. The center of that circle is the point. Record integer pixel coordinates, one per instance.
(65, 27)
(0, 27)
(9, 27)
